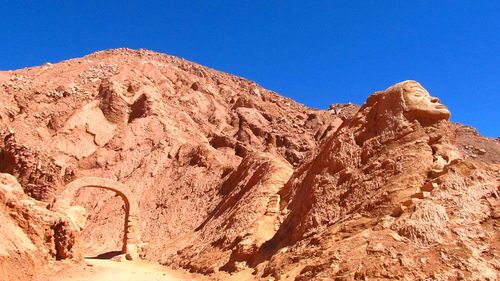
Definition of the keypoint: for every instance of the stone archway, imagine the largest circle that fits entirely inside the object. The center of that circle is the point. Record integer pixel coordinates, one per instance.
(131, 235)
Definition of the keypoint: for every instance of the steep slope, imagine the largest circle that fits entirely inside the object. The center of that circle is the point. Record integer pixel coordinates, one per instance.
(171, 130)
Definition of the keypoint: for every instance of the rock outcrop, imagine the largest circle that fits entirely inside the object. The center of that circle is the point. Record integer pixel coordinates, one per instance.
(387, 194)
(31, 235)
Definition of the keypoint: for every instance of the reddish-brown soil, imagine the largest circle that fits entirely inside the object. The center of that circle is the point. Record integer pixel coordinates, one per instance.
(235, 181)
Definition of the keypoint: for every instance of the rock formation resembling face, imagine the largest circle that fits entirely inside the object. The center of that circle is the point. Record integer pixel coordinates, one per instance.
(420, 104)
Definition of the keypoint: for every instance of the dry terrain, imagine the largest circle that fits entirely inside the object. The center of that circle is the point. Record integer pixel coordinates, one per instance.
(103, 269)
(144, 159)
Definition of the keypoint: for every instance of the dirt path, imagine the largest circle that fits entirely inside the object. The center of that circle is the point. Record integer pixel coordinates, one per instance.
(104, 270)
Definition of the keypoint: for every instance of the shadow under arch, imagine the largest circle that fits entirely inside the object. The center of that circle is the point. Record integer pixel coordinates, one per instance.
(131, 235)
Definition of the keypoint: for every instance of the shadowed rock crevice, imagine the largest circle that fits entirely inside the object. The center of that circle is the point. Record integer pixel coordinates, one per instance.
(138, 109)
(7, 163)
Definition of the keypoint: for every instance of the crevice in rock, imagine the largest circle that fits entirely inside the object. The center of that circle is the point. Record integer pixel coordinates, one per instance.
(138, 109)
(7, 162)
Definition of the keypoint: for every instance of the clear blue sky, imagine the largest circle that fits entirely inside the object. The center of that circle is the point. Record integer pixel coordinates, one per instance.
(316, 52)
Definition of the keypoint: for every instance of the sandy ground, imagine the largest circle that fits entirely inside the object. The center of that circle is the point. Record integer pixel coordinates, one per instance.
(104, 270)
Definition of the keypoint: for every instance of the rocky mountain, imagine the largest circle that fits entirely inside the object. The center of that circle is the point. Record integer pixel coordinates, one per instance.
(225, 178)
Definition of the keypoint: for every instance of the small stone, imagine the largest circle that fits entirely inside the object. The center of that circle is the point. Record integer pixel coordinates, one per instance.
(119, 258)
(409, 202)
(429, 186)
(421, 195)
(398, 211)
(255, 92)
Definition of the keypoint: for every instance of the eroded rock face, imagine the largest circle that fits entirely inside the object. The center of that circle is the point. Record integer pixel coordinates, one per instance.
(378, 145)
(31, 235)
(122, 106)
(228, 175)
(245, 219)
(64, 239)
(169, 128)
(40, 177)
(380, 182)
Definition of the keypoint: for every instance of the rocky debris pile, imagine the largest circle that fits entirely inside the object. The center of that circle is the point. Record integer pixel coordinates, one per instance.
(474, 146)
(98, 72)
(343, 111)
(18, 83)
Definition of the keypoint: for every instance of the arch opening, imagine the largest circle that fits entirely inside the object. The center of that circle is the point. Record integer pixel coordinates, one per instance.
(131, 233)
